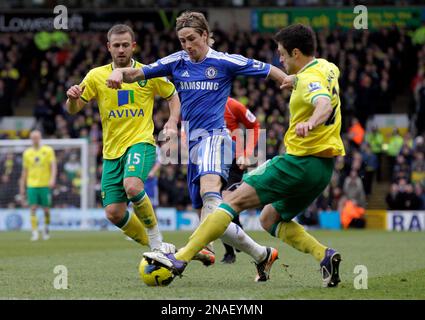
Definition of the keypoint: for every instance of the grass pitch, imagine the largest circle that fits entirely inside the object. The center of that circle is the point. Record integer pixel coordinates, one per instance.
(103, 265)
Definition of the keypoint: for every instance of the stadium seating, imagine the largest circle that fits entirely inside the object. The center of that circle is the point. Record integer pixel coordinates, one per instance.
(371, 82)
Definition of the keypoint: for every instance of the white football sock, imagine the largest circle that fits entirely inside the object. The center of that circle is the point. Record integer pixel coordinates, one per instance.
(236, 237)
(155, 237)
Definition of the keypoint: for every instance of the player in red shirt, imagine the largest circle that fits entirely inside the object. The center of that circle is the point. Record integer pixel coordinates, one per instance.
(237, 116)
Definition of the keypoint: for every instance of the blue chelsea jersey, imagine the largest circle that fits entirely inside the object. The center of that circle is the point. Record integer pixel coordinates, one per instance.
(204, 86)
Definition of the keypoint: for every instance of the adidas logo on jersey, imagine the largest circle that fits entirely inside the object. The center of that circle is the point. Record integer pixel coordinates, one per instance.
(186, 74)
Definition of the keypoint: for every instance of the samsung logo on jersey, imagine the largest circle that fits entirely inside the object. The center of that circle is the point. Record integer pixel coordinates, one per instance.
(199, 85)
(126, 113)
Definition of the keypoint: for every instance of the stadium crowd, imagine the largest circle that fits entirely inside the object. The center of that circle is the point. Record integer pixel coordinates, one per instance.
(375, 66)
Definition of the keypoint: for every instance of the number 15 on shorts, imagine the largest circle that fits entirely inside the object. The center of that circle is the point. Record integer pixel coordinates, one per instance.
(133, 158)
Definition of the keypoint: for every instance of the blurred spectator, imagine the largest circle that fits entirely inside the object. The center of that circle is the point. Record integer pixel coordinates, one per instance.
(371, 166)
(420, 109)
(357, 163)
(420, 193)
(401, 169)
(393, 198)
(348, 105)
(11, 77)
(418, 168)
(375, 139)
(409, 199)
(352, 215)
(353, 189)
(394, 146)
(356, 133)
(366, 98)
(5, 100)
(407, 190)
(419, 144)
(418, 88)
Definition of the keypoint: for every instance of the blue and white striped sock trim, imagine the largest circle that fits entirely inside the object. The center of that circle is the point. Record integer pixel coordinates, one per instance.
(211, 195)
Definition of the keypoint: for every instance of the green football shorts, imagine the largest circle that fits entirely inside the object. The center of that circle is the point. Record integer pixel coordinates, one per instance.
(290, 183)
(40, 196)
(137, 161)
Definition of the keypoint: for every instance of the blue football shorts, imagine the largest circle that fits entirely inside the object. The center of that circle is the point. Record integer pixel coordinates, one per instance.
(212, 155)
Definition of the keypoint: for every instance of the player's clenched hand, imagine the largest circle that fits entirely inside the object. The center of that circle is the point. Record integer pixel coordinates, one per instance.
(302, 129)
(75, 92)
(170, 128)
(115, 79)
(288, 82)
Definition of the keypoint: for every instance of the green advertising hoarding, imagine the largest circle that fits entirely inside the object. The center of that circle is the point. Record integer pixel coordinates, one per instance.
(269, 20)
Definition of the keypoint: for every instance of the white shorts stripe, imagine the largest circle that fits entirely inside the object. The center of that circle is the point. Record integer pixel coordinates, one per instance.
(218, 155)
(214, 154)
(210, 154)
(208, 151)
(204, 162)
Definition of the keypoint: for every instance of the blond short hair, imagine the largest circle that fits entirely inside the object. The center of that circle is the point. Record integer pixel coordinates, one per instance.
(120, 29)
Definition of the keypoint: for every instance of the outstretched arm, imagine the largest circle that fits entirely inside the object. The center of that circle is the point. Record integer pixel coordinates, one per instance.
(285, 81)
(126, 75)
(276, 74)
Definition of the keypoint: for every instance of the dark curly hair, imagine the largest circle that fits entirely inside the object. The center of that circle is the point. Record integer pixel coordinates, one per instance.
(297, 36)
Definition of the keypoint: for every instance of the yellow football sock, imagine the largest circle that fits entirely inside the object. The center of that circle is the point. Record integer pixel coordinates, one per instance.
(34, 221)
(133, 228)
(143, 209)
(47, 219)
(210, 229)
(295, 235)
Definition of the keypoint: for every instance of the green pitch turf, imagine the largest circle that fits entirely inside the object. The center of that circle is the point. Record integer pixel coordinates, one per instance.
(103, 265)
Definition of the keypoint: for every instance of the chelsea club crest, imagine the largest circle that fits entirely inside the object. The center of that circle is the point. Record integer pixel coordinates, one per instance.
(211, 72)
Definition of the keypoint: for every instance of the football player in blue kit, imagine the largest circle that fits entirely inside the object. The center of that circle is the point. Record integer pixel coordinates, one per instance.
(203, 78)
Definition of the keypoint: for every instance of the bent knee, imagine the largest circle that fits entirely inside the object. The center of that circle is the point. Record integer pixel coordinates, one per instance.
(132, 190)
(269, 218)
(265, 223)
(114, 215)
(268, 225)
(133, 186)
